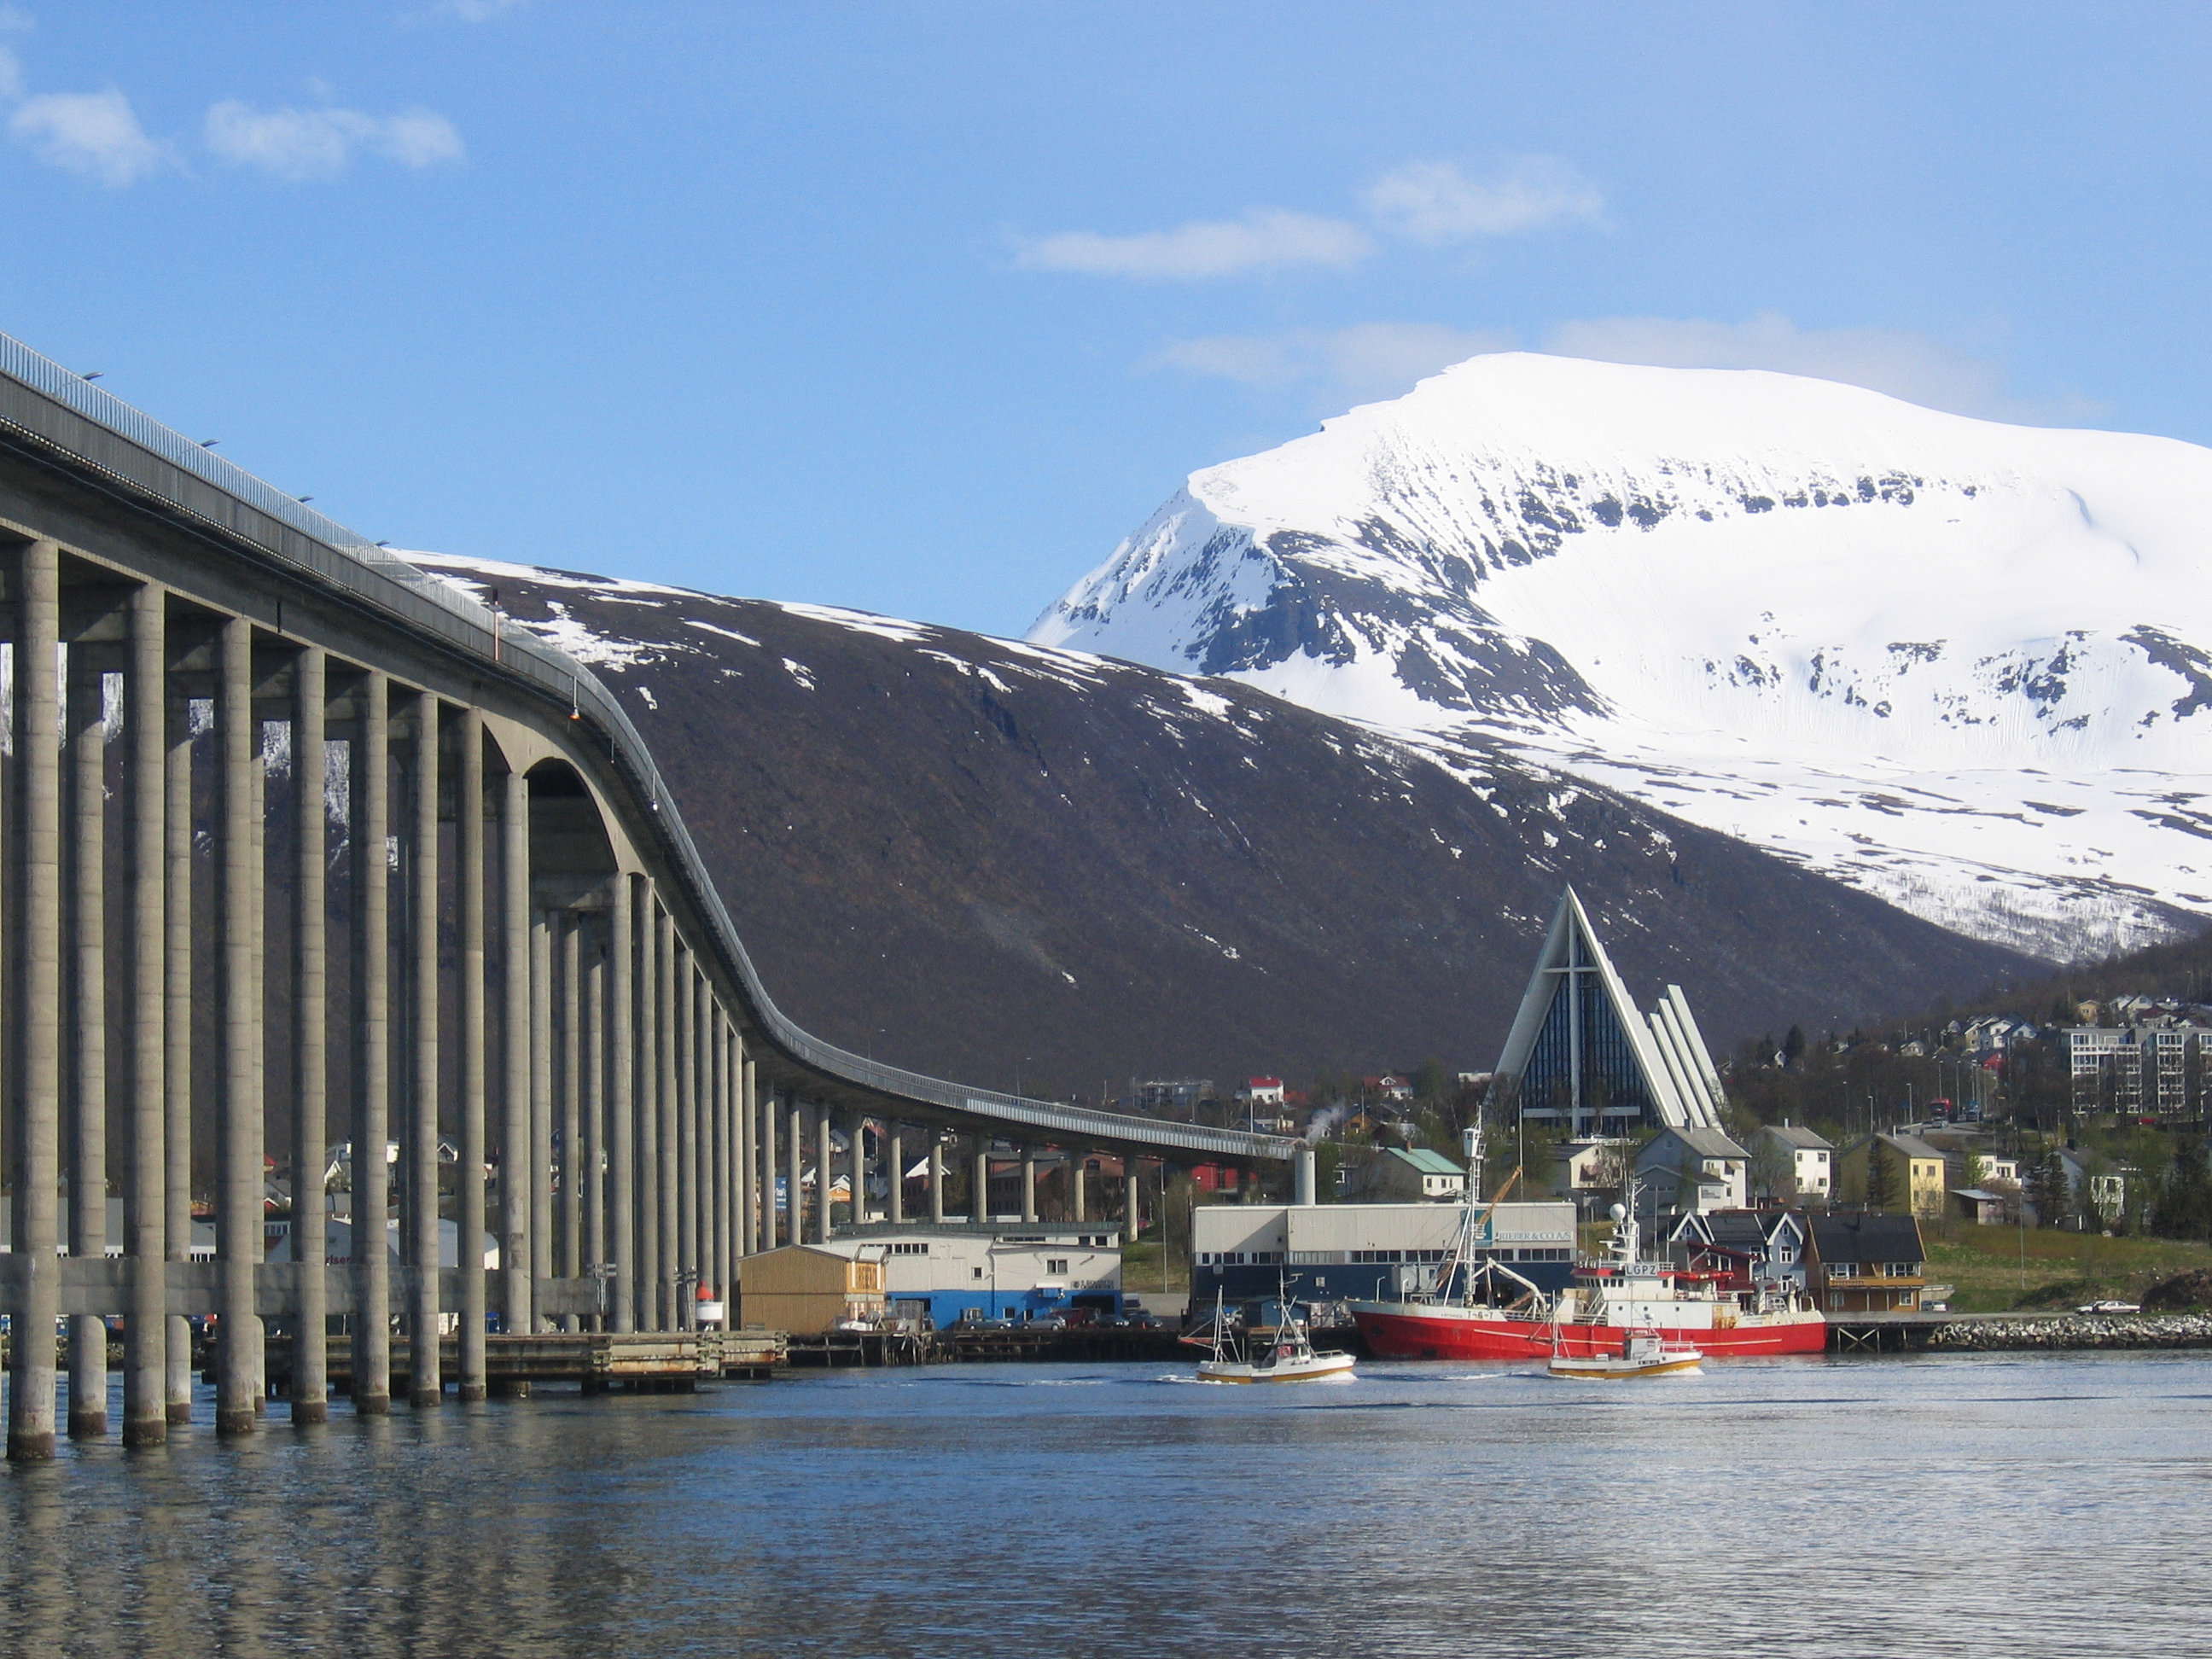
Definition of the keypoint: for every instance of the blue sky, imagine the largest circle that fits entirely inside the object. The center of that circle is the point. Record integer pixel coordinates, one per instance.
(921, 308)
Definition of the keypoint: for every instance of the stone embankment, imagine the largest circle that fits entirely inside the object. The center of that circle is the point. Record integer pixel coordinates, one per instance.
(2187, 1330)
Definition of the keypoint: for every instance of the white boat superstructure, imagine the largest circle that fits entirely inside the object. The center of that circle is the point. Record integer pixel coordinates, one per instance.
(1273, 1347)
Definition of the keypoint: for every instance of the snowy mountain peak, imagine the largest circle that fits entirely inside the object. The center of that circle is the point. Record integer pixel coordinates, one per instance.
(1962, 664)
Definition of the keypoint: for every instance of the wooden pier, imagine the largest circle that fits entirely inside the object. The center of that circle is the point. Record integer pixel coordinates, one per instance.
(647, 1361)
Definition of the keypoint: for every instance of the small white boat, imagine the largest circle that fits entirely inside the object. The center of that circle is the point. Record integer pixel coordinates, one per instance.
(1265, 1350)
(1643, 1354)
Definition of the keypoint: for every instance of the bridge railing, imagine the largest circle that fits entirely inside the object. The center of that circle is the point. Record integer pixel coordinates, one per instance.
(335, 554)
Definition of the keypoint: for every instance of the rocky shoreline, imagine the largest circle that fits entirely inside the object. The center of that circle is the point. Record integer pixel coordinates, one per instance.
(2189, 1330)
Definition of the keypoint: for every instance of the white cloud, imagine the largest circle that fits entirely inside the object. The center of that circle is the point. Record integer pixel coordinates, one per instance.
(94, 133)
(316, 143)
(1264, 238)
(1902, 364)
(1434, 202)
(11, 73)
(1360, 363)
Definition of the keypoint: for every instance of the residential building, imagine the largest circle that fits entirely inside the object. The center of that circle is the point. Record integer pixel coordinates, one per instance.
(1811, 1158)
(1864, 1262)
(1388, 1087)
(2135, 1069)
(1159, 1095)
(1911, 1179)
(1397, 1175)
(1330, 1252)
(1979, 1204)
(1700, 1169)
(1744, 1247)
(2107, 1185)
(1261, 1091)
(1580, 1056)
(1588, 1167)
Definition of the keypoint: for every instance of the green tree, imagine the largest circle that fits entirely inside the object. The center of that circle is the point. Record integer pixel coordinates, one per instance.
(2183, 1209)
(2047, 1190)
(1430, 1083)
(1881, 1177)
(1793, 1046)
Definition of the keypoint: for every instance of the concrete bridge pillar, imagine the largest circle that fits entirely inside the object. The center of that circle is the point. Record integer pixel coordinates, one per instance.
(179, 992)
(569, 1262)
(825, 1153)
(856, 1165)
(592, 1199)
(979, 1198)
(146, 1328)
(239, 1217)
(469, 1215)
(1130, 1196)
(310, 1034)
(621, 1181)
(1077, 1157)
(765, 1135)
(85, 849)
(937, 1179)
(664, 1173)
(749, 1160)
(426, 1385)
(895, 1150)
(1029, 1183)
(794, 1173)
(689, 1047)
(719, 1210)
(651, 1037)
(530, 1044)
(369, 789)
(34, 909)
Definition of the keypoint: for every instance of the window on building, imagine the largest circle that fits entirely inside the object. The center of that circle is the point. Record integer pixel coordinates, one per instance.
(1835, 1301)
(1843, 1270)
(922, 1248)
(1900, 1269)
(1055, 1264)
(978, 1273)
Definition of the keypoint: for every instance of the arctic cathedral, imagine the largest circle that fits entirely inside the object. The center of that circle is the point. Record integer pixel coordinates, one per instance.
(1582, 1056)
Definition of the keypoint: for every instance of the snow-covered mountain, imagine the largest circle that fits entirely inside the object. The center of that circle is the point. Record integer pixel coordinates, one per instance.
(1964, 666)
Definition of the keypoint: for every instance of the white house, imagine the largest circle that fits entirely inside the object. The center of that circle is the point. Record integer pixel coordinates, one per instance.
(1695, 1170)
(1811, 1158)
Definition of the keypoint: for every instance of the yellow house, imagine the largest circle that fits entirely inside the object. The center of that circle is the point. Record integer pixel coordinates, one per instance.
(805, 1291)
(1894, 1174)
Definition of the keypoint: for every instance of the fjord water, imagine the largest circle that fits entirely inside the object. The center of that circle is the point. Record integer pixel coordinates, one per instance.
(1910, 1505)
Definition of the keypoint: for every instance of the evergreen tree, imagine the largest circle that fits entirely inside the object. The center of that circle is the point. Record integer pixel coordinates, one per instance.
(1881, 1177)
(1793, 1046)
(2047, 1190)
(2184, 1207)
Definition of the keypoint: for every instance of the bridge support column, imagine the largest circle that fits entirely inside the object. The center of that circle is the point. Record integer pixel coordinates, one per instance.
(527, 1037)
(621, 1125)
(86, 850)
(426, 1386)
(686, 1158)
(937, 1179)
(979, 1198)
(856, 1162)
(369, 787)
(146, 1332)
(238, 1386)
(895, 1171)
(310, 1036)
(469, 1215)
(1076, 1159)
(1130, 1223)
(794, 1201)
(767, 1169)
(598, 1088)
(824, 1171)
(723, 1135)
(573, 1165)
(179, 990)
(652, 1038)
(35, 910)
(1029, 1183)
(747, 1153)
(663, 1174)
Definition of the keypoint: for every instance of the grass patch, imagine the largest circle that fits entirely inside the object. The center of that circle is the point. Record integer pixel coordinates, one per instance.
(1992, 1269)
(1142, 1271)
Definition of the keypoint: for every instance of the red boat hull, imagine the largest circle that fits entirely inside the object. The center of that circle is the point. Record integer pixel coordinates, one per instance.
(1428, 1335)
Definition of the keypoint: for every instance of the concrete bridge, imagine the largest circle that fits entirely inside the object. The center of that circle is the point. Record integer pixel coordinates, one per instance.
(303, 851)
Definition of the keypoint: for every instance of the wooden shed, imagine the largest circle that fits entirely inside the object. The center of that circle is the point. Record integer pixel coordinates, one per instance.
(804, 1291)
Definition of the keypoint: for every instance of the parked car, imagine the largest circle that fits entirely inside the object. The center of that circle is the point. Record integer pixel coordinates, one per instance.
(2110, 1304)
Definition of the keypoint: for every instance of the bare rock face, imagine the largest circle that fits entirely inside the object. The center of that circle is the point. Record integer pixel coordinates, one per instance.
(1024, 867)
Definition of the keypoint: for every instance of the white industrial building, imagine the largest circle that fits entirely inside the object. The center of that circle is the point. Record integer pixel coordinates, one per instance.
(1329, 1252)
(1021, 1270)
